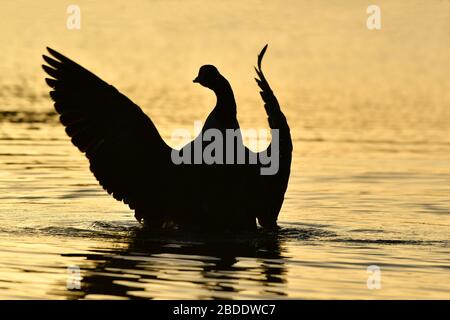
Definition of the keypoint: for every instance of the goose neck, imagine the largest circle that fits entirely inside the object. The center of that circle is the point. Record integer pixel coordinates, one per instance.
(225, 97)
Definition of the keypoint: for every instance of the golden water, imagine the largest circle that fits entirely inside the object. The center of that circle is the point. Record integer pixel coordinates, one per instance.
(370, 118)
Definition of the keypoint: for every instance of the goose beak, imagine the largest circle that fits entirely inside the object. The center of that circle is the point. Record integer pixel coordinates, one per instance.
(195, 80)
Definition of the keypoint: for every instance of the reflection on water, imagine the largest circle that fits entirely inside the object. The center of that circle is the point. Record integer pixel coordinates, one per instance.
(186, 266)
(118, 260)
(369, 116)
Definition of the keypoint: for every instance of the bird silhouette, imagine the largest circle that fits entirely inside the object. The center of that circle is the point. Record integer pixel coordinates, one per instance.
(131, 161)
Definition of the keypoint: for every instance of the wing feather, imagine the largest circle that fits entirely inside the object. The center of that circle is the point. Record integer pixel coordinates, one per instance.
(127, 155)
(273, 187)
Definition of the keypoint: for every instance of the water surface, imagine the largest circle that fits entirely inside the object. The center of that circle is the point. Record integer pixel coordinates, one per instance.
(370, 118)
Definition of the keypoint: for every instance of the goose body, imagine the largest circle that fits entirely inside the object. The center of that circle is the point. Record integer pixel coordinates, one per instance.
(132, 162)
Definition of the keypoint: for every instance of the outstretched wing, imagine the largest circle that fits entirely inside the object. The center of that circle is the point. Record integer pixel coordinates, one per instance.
(127, 155)
(273, 186)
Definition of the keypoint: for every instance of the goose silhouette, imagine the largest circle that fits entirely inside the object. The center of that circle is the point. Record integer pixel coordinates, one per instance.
(131, 161)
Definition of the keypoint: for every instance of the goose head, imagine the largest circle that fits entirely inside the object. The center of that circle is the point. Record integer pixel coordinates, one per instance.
(209, 77)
